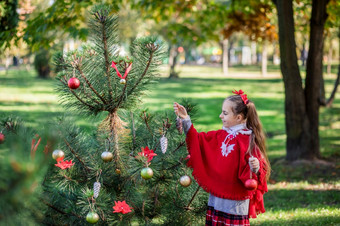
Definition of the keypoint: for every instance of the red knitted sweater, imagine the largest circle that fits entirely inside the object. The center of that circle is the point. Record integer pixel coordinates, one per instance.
(223, 174)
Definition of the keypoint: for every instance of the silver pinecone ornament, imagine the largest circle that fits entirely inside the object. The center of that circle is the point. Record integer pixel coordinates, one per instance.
(164, 144)
(96, 189)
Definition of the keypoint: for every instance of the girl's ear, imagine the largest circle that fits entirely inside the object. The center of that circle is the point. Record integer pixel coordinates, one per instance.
(239, 117)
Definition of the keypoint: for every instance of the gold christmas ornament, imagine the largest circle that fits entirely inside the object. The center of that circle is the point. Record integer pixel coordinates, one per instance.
(57, 154)
(107, 156)
(185, 180)
(122, 81)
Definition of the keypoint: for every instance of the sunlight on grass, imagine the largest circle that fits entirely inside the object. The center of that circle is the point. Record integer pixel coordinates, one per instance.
(300, 216)
(305, 185)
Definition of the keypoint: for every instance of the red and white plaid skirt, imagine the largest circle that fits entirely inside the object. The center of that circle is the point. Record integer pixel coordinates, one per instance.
(219, 218)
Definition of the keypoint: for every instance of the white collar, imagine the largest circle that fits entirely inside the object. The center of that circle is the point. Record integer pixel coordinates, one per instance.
(239, 128)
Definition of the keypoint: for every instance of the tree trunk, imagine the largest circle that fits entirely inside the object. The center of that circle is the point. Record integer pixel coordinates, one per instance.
(314, 72)
(329, 59)
(264, 58)
(253, 53)
(173, 61)
(303, 55)
(297, 124)
(231, 44)
(225, 57)
(276, 58)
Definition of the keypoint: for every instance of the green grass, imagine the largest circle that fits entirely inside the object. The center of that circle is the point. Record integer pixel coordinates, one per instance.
(302, 194)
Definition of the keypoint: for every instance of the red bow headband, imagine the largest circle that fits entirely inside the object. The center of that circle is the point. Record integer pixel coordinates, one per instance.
(243, 96)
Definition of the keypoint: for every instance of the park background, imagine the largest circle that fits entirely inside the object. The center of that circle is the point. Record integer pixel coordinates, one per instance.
(301, 192)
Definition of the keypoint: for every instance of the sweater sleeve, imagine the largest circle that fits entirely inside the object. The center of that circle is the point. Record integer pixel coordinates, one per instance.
(199, 144)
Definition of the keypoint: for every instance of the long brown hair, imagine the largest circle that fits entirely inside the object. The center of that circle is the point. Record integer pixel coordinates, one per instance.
(257, 138)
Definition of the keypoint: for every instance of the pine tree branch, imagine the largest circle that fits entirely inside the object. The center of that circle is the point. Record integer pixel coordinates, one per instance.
(106, 57)
(181, 144)
(90, 106)
(192, 199)
(144, 73)
(58, 210)
(146, 123)
(89, 96)
(75, 154)
(122, 96)
(133, 132)
(90, 85)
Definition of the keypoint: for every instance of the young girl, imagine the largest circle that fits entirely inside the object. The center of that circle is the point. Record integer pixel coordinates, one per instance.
(223, 160)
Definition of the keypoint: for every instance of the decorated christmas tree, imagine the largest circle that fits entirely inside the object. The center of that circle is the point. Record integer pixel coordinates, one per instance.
(132, 168)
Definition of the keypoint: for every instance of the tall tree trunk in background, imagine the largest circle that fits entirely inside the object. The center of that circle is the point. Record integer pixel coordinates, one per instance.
(276, 58)
(264, 58)
(303, 55)
(301, 106)
(253, 53)
(314, 71)
(329, 58)
(230, 47)
(173, 61)
(225, 58)
(297, 124)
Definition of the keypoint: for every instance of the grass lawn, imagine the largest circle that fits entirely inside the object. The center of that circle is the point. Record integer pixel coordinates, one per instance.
(299, 194)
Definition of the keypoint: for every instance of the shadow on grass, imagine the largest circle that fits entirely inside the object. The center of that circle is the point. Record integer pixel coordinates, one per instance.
(314, 172)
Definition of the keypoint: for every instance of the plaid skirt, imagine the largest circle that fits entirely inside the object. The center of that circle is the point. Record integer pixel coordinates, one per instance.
(219, 218)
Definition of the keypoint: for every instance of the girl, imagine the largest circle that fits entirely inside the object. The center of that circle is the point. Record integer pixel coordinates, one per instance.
(219, 160)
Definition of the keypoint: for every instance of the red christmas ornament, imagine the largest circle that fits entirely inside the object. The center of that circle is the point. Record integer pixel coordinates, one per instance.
(250, 184)
(2, 138)
(73, 83)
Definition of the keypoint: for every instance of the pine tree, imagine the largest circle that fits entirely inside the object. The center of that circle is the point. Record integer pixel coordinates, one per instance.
(23, 165)
(128, 170)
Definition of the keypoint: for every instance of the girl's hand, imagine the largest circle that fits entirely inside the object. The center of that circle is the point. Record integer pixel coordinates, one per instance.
(180, 111)
(254, 164)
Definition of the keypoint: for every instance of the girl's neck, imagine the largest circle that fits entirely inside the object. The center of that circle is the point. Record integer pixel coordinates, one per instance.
(236, 128)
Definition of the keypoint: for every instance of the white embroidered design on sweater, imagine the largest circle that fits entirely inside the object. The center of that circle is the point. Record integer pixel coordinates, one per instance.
(226, 150)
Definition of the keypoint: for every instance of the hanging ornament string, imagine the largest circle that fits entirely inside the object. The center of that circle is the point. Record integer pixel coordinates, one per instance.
(98, 175)
(128, 69)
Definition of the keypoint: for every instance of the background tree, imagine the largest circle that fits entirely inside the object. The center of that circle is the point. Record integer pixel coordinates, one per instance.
(23, 164)
(254, 19)
(183, 23)
(9, 19)
(302, 104)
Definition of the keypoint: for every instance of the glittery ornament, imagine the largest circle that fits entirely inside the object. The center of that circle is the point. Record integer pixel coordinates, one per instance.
(107, 156)
(58, 154)
(164, 144)
(96, 189)
(185, 181)
(92, 217)
(146, 173)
